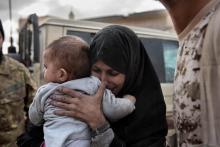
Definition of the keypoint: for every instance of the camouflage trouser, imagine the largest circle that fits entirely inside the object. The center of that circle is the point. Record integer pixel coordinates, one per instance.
(9, 138)
(12, 144)
(12, 123)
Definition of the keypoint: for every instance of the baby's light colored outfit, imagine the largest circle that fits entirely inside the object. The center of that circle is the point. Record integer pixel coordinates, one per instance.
(62, 131)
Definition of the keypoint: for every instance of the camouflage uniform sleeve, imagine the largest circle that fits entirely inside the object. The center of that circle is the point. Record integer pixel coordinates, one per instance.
(16, 87)
(31, 87)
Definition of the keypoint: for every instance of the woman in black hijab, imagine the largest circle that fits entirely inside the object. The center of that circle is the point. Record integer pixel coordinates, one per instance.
(119, 58)
(119, 49)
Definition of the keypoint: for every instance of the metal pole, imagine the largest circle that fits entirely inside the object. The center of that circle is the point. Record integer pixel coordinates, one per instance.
(11, 49)
(10, 16)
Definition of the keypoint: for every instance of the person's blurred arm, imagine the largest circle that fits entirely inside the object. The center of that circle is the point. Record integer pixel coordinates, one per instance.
(210, 82)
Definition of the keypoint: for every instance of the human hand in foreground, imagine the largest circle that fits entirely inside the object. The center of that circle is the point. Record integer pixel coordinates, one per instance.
(87, 108)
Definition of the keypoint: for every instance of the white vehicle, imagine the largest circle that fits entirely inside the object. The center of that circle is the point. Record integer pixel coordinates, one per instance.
(161, 46)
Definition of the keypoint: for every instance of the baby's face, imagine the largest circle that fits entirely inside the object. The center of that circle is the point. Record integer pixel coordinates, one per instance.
(50, 71)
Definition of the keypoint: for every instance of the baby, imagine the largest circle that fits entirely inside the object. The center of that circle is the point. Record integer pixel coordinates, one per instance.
(66, 63)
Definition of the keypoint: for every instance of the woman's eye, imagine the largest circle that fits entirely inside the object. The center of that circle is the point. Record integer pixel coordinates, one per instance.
(113, 73)
(96, 70)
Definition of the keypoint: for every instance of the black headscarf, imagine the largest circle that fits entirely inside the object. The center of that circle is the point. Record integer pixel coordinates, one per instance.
(3, 36)
(2, 30)
(122, 50)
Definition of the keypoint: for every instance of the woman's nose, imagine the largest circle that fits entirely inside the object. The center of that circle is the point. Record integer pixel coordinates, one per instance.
(103, 77)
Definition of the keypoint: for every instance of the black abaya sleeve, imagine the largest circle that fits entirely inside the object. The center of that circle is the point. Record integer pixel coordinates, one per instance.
(33, 137)
(116, 142)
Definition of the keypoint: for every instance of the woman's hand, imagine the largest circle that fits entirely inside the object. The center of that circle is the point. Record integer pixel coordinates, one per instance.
(78, 105)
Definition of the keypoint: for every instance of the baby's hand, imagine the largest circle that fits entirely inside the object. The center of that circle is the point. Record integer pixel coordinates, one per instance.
(130, 97)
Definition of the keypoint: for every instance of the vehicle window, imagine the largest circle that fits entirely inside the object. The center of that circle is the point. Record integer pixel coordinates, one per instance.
(154, 50)
(170, 53)
(85, 35)
(163, 56)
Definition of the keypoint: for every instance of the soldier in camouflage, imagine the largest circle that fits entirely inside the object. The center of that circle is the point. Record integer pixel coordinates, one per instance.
(16, 91)
(197, 76)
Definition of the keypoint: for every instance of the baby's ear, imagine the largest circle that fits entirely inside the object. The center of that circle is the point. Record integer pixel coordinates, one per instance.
(62, 75)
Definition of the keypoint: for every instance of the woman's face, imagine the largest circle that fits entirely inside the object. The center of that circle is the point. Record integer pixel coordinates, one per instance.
(113, 78)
